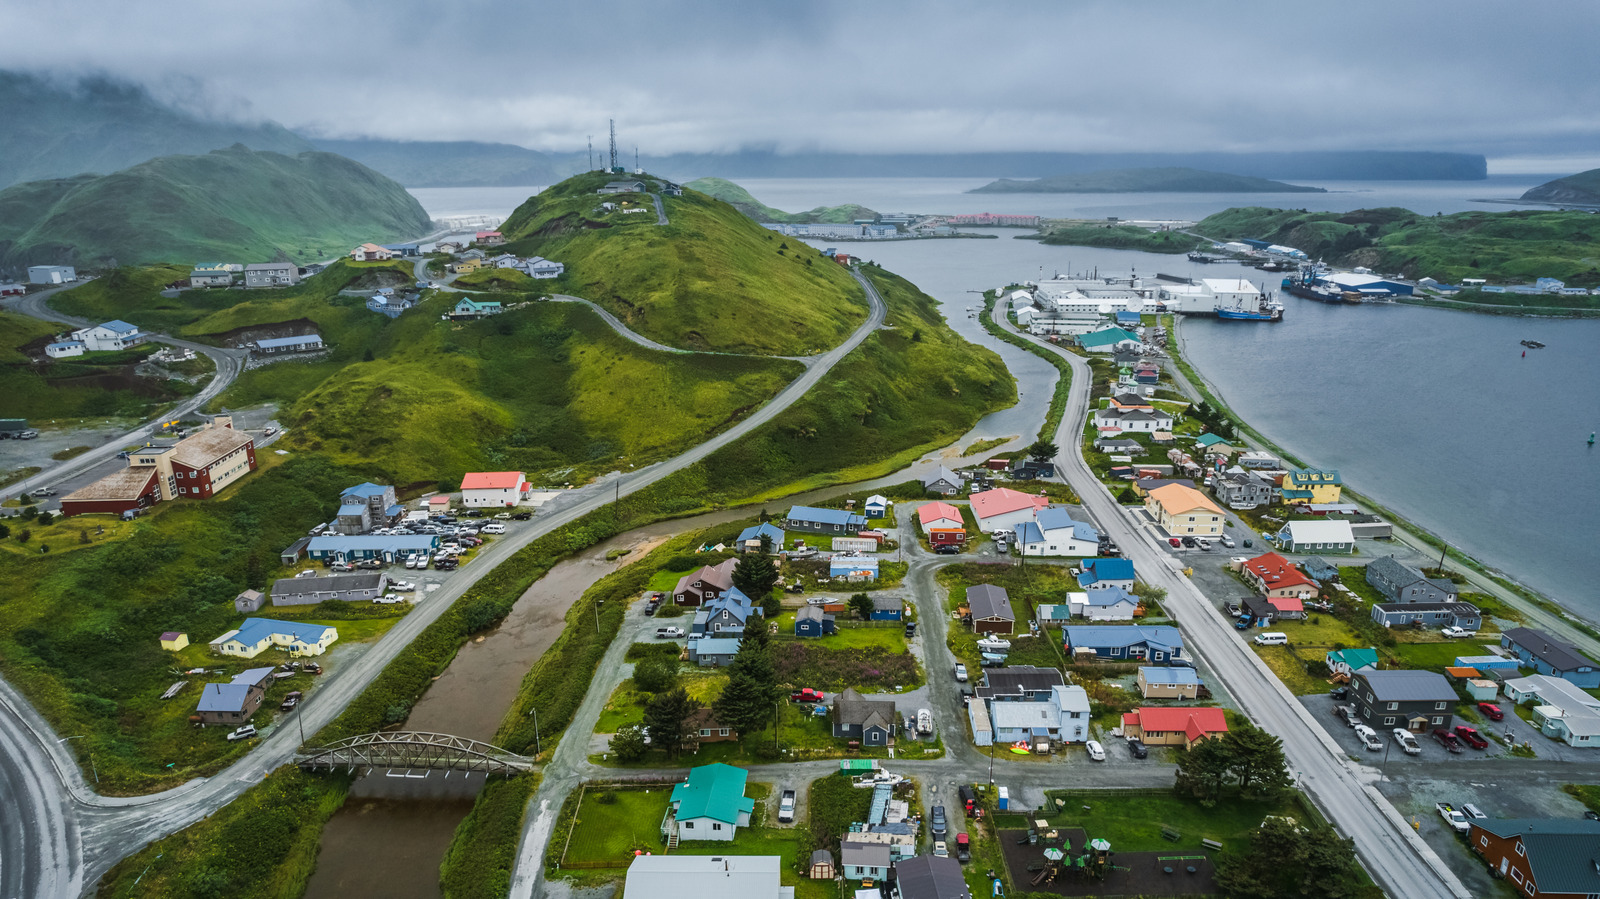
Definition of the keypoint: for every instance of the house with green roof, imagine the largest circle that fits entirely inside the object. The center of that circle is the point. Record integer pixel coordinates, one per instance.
(1108, 340)
(469, 308)
(710, 805)
(1349, 661)
(1211, 443)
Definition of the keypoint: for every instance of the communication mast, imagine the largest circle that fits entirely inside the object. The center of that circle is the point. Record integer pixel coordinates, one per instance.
(613, 145)
(636, 169)
(591, 152)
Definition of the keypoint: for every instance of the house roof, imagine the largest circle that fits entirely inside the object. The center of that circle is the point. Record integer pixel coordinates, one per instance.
(999, 501)
(1276, 573)
(202, 449)
(1107, 337)
(1113, 635)
(1209, 440)
(1408, 686)
(850, 708)
(988, 601)
(1185, 677)
(1016, 680)
(171, 635)
(931, 877)
(811, 613)
(301, 340)
(1106, 597)
(1038, 713)
(1356, 658)
(866, 855)
(715, 792)
(719, 575)
(366, 490)
(368, 542)
(942, 474)
(254, 630)
(887, 603)
(1105, 569)
(936, 511)
(1286, 604)
(842, 517)
(1177, 499)
(852, 563)
(270, 266)
(1052, 518)
(700, 876)
(1194, 722)
(1561, 852)
(251, 677)
(118, 326)
(1309, 477)
(1552, 651)
(1554, 691)
(754, 532)
(1466, 609)
(491, 480)
(714, 646)
(224, 697)
(127, 484)
(369, 247)
(1335, 530)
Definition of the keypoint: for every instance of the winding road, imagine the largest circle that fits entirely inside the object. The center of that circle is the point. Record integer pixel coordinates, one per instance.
(229, 363)
(57, 836)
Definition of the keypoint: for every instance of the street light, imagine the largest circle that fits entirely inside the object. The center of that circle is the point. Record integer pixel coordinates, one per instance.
(537, 749)
(89, 752)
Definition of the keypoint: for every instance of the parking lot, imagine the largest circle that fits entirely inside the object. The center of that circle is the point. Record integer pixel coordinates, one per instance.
(1433, 753)
(458, 547)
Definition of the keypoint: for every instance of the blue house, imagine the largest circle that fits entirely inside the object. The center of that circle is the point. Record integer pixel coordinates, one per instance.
(1123, 643)
(876, 506)
(887, 608)
(823, 521)
(724, 614)
(1125, 317)
(811, 621)
(749, 540)
(1551, 656)
(1098, 574)
(712, 652)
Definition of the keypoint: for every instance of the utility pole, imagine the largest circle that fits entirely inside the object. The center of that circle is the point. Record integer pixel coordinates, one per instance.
(613, 145)
(537, 749)
(591, 152)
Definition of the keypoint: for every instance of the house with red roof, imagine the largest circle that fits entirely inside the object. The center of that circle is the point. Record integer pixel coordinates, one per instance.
(1276, 578)
(939, 515)
(370, 252)
(496, 489)
(1174, 726)
(1002, 509)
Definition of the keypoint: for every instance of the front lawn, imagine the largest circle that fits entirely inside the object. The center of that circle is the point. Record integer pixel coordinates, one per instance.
(627, 702)
(890, 635)
(1435, 656)
(1133, 821)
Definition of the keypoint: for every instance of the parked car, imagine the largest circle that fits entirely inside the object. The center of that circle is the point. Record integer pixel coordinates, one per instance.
(911, 628)
(290, 701)
(1471, 737)
(503, 516)
(963, 848)
(946, 549)
(670, 632)
(521, 516)
(1447, 739)
(786, 807)
(472, 513)
(1096, 751)
(389, 599)
(806, 694)
(311, 668)
(341, 566)
(937, 823)
(402, 586)
(1458, 632)
(1347, 714)
(243, 733)
(1175, 542)
(1225, 540)
(493, 527)
(1453, 817)
(940, 850)
(961, 673)
(1368, 738)
(1188, 542)
(370, 565)
(1407, 741)
(1203, 543)
(1491, 711)
(1137, 749)
(1232, 609)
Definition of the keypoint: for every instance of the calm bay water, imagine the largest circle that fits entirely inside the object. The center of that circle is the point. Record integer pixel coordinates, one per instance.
(1434, 413)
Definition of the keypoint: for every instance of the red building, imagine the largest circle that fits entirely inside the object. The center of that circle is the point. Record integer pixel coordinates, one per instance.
(1541, 856)
(128, 490)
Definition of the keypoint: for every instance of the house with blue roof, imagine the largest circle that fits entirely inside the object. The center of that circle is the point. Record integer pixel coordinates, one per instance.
(229, 704)
(1211, 443)
(259, 634)
(365, 506)
(1053, 532)
(1169, 683)
(386, 549)
(1124, 643)
(110, 337)
(1109, 604)
(1127, 317)
(855, 569)
(1104, 573)
(749, 540)
(712, 652)
(710, 805)
(724, 614)
(64, 349)
(811, 520)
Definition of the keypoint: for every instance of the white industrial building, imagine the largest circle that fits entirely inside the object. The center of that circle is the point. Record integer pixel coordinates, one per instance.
(51, 274)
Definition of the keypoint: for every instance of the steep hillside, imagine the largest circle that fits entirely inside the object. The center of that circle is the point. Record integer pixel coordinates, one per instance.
(235, 204)
(740, 199)
(1582, 189)
(711, 279)
(1504, 247)
(1174, 180)
(97, 124)
(450, 163)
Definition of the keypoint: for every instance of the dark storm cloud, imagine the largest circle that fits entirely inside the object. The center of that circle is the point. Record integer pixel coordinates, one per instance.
(1504, 79)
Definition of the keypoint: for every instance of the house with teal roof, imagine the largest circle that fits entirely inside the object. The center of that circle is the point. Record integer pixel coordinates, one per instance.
(1211, 443)
(1312, 485)
(710, 805)
(1108, 340)
(1349, 661)
(469, 308)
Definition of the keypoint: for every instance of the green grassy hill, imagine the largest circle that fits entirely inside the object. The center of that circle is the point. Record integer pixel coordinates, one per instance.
(710, 280)
(93, 385)
(1175, 180)
(235, 204)
(1119, 237)
(1504, 247)
(1582, 189)
(740, 199)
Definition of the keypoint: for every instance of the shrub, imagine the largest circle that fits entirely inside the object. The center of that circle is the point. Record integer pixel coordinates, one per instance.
(656, 674)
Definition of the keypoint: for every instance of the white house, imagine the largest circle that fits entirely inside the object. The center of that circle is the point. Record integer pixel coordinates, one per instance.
(111, 336)
(1052, 532)
(51, 274)
(259, 634)
(64, 349)
(1002, 509)
(1110, 604)
(1064, 716)
(876, 506)
(939, 515)
(540, 267)
(1115, 421)
(482, 489)
(710, 805)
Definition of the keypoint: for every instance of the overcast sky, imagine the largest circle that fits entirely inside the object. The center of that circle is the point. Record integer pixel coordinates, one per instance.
(1518, 81)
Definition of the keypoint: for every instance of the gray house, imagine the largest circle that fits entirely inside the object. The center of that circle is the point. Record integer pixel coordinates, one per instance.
(1019, 683)
(930, 877)
(365, 506)
(1552, 657)
(1419, 701)
(871, 721)
(1240, 489)
(1402, 583)
(622, 187)
(864, 861)
(306, 591)
(271, 274)
(1430, 614)
(943, 480)
(248, 601)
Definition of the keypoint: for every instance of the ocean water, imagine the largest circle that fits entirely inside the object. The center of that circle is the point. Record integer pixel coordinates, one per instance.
(1434, 413)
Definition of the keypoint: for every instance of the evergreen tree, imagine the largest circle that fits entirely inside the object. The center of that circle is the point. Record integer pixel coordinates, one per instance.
(749, 701)
(1043, 451)
(665, 717)
(1257, 761)
(755, 635)
(1203, 770)
(657, 674)
(861, 605)
(628, 743)
(755, 575)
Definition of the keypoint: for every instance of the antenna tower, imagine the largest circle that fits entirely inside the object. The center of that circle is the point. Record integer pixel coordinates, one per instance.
(591, 152)
(613, 144)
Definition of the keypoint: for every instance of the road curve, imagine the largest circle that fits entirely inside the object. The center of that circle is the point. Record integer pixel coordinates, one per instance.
(229, 363)
(76, 835)
(1395, 856)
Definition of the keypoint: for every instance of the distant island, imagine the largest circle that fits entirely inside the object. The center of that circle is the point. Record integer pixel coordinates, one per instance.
(1582, 189)
(234, 204)
(1151, 180)
(740, 199)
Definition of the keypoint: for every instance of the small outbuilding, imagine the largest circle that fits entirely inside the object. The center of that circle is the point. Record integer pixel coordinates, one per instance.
(822, 867)
(172, 641)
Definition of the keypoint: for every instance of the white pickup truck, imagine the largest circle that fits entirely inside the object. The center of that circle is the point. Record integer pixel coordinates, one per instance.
(1453, 817)
(786, 807)
(1458, 632)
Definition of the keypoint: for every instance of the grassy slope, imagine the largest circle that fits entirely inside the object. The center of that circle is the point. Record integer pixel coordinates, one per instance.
(1120, 237)
(1175, 179)
(1583, 188)
(99, 384)
(741, 199)
(711, 280)
(235, 204)
(1516, 246)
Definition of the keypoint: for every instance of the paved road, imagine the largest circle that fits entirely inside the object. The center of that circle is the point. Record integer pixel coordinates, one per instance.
(229, 363)
(661, 212)
(62, 842)
(618, 326)
(1393, 853)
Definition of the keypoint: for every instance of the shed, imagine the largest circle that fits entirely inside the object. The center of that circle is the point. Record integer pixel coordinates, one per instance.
(812, 621)
(249, 601)
(991, 609)
(1481, 689)
(822, 867)
(172, 641)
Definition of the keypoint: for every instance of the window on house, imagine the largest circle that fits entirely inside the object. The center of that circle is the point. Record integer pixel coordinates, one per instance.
(1520, 850)
(705, 731)
(1392, 706)
(715, 826)
(722, 731)
(1438, 719)
(1388, 721)
(1516, 873)
(688, 825)
(1439, 706)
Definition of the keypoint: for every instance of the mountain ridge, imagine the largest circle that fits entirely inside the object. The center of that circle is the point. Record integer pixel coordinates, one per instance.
(1582, 189)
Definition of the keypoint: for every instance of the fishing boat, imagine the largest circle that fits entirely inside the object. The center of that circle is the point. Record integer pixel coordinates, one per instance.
(1533, 344)
(1305, 288)
(1267, 312)
(1197, 256)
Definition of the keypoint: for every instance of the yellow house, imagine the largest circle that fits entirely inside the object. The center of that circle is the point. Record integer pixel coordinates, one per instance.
(1184, 511)
(467, 265)
(172, 641)
(1311, 485)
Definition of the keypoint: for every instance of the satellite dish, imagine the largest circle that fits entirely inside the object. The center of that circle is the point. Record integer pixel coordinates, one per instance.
(1105, 308)
(1135, 304)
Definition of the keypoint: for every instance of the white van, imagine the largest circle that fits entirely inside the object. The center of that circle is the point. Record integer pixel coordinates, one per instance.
(1272, 638)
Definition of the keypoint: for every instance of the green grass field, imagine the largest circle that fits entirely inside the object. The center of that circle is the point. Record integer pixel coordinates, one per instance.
(95, 385)
(1120, 237)
(1132, 821)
